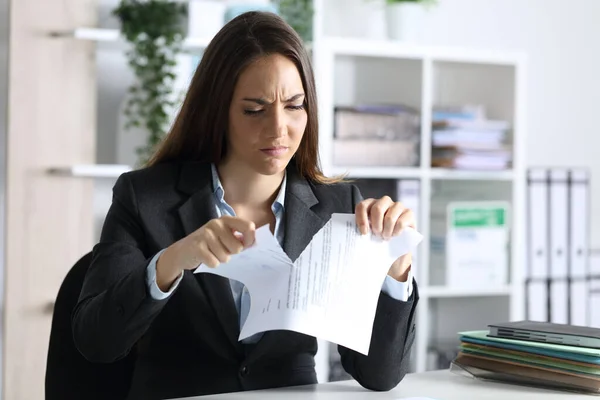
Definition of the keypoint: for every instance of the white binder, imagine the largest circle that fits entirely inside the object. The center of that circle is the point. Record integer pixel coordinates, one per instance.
(408, 192)
(537, 248)
(594, 289)
(559, 240)
(578, 257)
(579, 207)
(537, 301)
(594, 303)
(594, 263)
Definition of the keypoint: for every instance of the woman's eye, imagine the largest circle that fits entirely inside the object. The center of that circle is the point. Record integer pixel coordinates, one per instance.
(252, 112)
(298, 107)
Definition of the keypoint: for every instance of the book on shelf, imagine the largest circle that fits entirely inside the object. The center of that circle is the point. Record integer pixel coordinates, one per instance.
(460, 158)
(376, 135)
(463, 138)
(376, 122)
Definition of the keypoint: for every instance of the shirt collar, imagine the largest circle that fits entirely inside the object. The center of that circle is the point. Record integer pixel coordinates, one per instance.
(220, 192)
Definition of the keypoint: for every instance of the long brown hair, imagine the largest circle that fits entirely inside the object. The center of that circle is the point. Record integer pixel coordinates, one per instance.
(200, 129)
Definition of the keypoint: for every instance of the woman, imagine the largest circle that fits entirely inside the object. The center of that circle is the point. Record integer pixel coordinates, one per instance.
(242, 153)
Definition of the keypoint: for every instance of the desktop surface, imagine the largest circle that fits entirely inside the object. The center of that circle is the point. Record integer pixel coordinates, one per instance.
(436, 385)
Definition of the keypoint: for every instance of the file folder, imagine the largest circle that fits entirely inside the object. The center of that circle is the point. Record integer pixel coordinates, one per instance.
(594, 303)
(578, 256)
(408, 192)
(559, 238)
(579, 210)
(537, 250)
(537, 301)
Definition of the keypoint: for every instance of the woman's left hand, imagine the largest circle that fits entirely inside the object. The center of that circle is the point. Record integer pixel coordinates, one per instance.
(386, 218)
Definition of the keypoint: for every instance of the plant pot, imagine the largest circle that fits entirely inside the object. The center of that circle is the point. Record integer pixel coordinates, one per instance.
(404, 21)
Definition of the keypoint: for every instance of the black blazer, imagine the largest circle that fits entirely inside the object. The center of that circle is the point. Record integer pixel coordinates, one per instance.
(187, 344)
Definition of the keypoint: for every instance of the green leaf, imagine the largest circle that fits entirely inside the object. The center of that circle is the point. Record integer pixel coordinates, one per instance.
(155, 31)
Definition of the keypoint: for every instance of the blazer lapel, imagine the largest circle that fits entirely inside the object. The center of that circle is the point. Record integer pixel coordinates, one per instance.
(301, 222)
(200, 208)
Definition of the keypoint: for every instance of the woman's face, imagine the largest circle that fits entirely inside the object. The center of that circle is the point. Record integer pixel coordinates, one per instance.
(267, 117)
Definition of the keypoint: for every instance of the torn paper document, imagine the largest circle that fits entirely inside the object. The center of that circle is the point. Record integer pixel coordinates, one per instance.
(329, 292)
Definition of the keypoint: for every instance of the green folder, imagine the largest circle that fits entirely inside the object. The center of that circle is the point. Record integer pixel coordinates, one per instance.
(582, 354)
(533, 360)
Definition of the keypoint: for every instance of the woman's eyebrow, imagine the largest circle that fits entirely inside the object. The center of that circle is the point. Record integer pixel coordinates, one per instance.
(261, 101)
(294, 97)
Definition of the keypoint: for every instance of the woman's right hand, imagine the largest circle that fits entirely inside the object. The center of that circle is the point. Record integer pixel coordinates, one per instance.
(212, 244)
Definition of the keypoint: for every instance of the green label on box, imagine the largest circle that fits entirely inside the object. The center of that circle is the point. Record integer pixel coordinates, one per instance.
(478, 217)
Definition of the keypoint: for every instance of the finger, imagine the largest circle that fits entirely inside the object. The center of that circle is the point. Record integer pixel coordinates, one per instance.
(377, 212)
(218, 251)
(406, 219)
(390, 218)
(362, 215)
(207, 257)
(232, 242)
(245, 227)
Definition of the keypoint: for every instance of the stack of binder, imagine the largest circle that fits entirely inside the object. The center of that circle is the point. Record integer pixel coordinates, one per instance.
(558, 276)
(533, 358)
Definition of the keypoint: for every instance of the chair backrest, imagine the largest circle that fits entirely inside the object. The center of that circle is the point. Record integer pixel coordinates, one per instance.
(68, 374)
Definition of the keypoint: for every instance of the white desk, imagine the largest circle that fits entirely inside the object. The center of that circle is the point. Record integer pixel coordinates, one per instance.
(438, 385)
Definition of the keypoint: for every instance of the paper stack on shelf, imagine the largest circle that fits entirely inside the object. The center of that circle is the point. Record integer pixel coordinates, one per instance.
(562, 367)
(463, 138)
(376, 135)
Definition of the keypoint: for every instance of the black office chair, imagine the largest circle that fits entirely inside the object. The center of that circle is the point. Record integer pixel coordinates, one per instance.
(68, 374)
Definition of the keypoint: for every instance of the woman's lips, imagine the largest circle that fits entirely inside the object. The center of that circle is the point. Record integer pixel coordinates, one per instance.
(274, 151)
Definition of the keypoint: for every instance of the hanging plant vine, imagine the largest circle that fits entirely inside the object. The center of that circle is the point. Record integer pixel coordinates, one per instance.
(299, 14)
(155, 30)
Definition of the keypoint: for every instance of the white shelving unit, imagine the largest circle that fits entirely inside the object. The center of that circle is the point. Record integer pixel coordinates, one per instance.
(438, 292)
(356, 70)
(359, 71)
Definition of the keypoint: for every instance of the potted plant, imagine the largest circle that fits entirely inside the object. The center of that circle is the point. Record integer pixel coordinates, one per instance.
(155, 30)
(404, 18)
(299, 14)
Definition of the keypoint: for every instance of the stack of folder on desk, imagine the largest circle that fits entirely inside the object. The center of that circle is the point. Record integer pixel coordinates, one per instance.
(528, 360)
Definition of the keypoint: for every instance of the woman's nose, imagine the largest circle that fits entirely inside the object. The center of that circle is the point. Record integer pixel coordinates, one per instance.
(278, 124)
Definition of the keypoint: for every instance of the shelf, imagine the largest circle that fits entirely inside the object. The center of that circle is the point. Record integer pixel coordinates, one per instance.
(418, 173)
(450, 292)
(454, 174)
(393, 49)
(114, 35)
(378, 172)
(91, 170)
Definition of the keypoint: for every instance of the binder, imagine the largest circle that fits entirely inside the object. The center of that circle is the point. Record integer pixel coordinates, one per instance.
(578, 256)
(408, 192)
(536, 283)
(537, 299)
(594, 263)
(559, 239)
(594, 289)
(595, 303)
